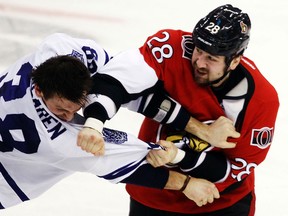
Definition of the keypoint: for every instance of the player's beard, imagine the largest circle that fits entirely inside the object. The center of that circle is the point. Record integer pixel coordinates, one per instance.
(201, 76)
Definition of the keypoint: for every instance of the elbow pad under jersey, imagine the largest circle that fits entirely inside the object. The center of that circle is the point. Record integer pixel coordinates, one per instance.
(163, 109)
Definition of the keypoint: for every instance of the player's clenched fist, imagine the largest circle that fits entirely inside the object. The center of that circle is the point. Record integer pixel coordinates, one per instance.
(160, 157)
(91, 140)
(220, 131)
(201, 191)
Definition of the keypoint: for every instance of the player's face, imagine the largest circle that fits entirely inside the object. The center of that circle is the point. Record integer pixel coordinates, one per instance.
(62, 108)
(207, 67)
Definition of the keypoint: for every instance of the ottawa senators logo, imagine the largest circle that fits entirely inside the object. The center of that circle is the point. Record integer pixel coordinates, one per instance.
(244, 27)
(195, 143)
(262, 138)
(198, 144)
(187, 46)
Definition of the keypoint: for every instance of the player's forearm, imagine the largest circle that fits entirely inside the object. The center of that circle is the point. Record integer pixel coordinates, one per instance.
(175, 180)
(160, 178)
(197, 128)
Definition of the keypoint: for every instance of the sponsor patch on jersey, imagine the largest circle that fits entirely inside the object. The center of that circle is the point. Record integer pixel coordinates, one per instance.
(262, 138)
(113, 136)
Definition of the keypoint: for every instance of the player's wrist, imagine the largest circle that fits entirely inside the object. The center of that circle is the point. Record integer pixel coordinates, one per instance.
(197, 128)
(185, 184)
(94, 124)
(179, 156)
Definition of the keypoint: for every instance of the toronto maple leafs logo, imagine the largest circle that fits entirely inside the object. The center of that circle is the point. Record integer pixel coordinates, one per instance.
(114, 136)
(77, 55)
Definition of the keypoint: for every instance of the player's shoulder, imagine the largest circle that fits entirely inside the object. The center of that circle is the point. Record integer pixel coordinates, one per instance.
(265, 89)
(55, 41)
(173, 32)
(248, 63)
(57, 37)
(251, 68)
(174, 37)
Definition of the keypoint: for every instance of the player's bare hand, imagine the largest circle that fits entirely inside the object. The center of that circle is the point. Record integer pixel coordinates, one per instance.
(91, 141)
(159, 157)
(201, 191)
(219, 131)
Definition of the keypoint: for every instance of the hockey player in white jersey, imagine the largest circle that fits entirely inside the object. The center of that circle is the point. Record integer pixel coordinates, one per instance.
(39, 125)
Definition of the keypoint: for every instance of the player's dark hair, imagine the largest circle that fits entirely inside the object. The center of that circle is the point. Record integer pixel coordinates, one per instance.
(64, 76)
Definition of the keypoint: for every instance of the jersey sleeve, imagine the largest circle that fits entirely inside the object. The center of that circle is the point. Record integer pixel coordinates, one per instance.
(125, 78)
(256, 124)
(200, 159)
(131, 80)
(169, 53)
(148, 176)
(164, 53)
(160, 107)
(210, 165)
(105, 99)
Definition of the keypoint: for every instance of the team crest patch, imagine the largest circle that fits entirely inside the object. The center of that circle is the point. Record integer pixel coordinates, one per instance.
(244, 27)
(194, 143)
(187, 46)
(77, 55)
(114, 136)
(262, 138)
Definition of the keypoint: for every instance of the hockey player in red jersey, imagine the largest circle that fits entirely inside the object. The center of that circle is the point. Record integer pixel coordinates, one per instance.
(207, 73)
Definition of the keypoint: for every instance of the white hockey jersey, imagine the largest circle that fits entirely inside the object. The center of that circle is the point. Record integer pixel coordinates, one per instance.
(36, 148)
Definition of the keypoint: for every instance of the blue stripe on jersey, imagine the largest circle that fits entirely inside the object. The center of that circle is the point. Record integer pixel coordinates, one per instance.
(13, 184)
(107, 58)
(122, 171)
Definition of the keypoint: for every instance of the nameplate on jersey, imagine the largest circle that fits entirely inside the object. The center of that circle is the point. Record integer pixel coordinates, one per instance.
(52, 124)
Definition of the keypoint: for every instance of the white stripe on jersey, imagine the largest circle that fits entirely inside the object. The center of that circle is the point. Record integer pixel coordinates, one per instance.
(130, 69)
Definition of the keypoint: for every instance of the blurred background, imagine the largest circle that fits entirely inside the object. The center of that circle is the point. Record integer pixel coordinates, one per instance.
(120, 25)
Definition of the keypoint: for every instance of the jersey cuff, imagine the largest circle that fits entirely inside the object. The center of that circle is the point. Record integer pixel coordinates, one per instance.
(179, 156)
(94, 124)
(181, 119)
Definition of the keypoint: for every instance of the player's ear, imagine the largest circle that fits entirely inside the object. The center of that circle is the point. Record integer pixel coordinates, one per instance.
(234, 63)
(38, 91)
